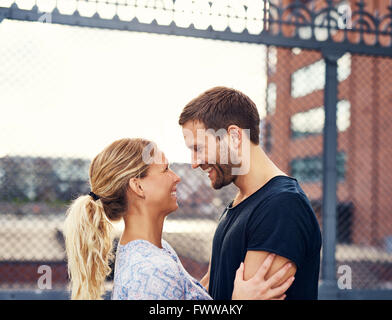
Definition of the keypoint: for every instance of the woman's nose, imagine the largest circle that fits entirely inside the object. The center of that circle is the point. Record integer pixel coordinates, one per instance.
(177, 179)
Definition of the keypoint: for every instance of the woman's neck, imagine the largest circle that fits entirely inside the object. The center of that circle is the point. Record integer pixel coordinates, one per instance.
(141, 224)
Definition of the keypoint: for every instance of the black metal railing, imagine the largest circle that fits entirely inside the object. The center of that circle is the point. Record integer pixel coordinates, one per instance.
(312, 24)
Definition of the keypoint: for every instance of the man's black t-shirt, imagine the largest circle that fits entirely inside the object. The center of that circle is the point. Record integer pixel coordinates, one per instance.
(277, 218)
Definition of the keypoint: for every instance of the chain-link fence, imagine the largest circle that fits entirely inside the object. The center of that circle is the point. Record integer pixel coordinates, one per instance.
(31, 230)
(44, 154)
(35, 189)
(293, 138)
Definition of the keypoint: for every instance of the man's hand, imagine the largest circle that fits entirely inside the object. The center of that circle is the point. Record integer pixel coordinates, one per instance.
(258, 287)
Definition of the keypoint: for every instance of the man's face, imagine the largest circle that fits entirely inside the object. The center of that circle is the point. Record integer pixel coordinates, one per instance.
(209, 153)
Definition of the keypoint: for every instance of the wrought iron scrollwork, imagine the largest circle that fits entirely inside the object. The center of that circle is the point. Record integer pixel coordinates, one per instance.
(310, 24)
(329, 18)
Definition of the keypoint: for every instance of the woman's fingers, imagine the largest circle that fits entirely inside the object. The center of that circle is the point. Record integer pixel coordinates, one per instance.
(278, 291)
(239, 275)
(280, 298)
(264, 268)
(275, 279)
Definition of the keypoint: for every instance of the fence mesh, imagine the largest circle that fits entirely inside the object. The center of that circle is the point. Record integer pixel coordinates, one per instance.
(293, 138)
(31, 231)
(35, 190)
(37, 185)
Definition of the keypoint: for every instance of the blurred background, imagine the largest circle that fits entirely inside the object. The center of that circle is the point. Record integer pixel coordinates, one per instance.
(76, 75)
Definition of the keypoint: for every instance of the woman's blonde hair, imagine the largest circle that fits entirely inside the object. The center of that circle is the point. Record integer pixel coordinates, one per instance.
(87, 228)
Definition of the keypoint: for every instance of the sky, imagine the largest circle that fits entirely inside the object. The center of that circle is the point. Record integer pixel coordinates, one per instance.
(70, 91)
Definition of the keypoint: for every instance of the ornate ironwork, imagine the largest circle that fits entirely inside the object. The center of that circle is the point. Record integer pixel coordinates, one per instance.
(333, 19)
(308, 24)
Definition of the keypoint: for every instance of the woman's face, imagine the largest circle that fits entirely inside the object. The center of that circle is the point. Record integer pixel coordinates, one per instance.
(160, 185)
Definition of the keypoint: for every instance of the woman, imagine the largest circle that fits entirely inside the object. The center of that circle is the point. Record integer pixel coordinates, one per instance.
(142, 193)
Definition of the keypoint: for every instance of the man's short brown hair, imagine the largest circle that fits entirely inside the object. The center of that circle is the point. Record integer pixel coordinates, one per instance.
(220, 107)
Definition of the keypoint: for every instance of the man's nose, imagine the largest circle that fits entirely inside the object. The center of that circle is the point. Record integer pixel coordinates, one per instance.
(195, 165)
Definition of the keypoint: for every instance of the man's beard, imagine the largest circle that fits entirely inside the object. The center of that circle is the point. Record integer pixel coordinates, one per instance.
(223, 175)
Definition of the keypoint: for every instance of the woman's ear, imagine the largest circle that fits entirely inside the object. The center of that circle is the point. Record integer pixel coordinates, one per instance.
(136, 187)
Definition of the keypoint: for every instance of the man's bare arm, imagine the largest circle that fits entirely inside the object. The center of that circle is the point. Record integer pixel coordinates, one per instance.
(254, 259)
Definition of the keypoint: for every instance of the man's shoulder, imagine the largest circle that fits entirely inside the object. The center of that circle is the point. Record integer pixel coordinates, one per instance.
(285, 204)
(279, 188)
(286, 197)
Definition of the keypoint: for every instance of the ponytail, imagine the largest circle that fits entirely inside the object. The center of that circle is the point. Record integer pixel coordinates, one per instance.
(88, 228)
(88, 241)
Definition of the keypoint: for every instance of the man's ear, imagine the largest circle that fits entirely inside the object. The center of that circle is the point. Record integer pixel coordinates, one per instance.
(235, 136)
(136, 187)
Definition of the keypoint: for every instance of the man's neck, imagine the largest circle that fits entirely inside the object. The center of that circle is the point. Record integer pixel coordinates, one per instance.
(261, 170)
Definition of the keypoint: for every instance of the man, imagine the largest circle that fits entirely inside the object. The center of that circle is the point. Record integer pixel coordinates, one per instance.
(270, 213)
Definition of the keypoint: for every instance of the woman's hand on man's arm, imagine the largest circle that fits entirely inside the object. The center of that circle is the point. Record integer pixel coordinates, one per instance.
(261, 287)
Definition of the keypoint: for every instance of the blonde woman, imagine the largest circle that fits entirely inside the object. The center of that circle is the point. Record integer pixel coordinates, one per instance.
(124, 186)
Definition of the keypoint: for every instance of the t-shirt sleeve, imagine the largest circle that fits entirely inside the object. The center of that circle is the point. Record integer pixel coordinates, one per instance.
(281, 226)
(156, 281)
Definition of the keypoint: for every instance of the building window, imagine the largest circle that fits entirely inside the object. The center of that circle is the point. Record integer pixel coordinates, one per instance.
(345, 213)
(268, 137)
(312, 77)
(272, 59)
(296, 51)
(310, 169)
(261, 133)
(311, 122)
(271, 98)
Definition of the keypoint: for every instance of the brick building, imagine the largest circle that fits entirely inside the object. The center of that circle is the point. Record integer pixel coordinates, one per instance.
(293, 127)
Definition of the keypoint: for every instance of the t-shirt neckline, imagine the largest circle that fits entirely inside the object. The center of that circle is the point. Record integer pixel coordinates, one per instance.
(229, 207)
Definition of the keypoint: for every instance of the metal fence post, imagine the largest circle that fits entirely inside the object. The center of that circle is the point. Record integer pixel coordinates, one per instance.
(328, 288)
